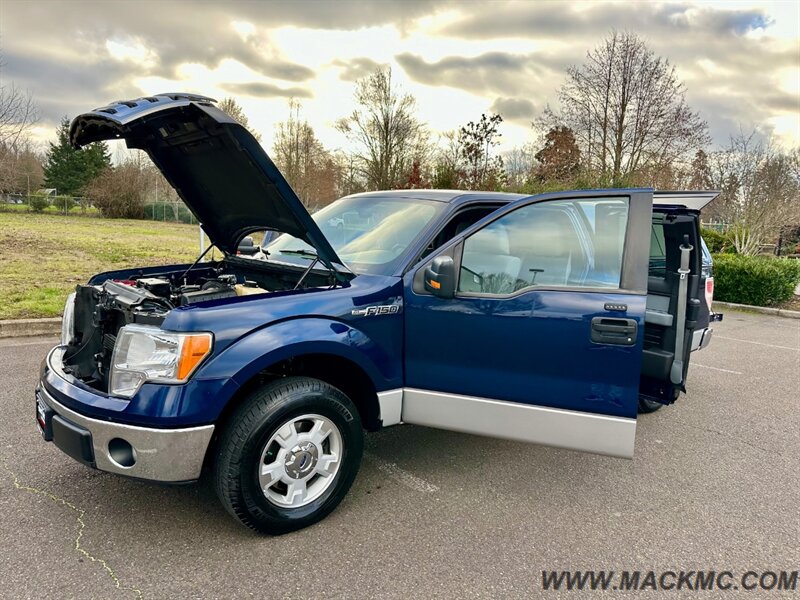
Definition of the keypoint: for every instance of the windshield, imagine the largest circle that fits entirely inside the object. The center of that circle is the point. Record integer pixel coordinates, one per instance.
(369, 234)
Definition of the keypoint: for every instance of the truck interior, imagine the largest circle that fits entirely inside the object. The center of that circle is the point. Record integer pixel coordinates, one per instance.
(671, 229)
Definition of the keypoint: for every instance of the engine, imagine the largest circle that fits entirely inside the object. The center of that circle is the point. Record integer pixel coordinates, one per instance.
(101, 310)
(223, 286)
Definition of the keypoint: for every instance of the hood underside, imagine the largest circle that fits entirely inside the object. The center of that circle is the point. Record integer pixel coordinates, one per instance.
(217, 167)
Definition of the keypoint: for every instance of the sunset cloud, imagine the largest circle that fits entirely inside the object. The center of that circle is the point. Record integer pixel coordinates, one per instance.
(739, 61)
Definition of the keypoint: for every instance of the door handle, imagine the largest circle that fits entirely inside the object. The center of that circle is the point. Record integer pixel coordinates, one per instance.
(609, 330)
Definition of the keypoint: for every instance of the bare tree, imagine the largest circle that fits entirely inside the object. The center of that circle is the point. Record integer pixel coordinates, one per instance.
(447, 172)
(760, 189)
(18, 115)
(20, 169)
(384, 129)
(348, 177)
(122, 191)
(230, 106)
(476, 140)
(419, 173)
(308, 167)
(628, 110)
(520, 163)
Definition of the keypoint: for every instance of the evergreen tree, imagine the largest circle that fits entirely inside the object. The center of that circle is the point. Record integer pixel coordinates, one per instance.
(70, 170)
(701, 172)
(560, 158)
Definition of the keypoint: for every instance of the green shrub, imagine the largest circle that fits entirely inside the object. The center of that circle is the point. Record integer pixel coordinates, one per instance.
(718, 242)
(38, 202)
(755, 280)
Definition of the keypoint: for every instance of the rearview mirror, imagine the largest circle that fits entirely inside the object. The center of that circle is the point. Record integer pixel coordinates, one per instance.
(440, 277)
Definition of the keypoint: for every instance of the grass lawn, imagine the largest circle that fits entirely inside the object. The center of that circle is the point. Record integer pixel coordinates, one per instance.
(43, 256)
(51, 210)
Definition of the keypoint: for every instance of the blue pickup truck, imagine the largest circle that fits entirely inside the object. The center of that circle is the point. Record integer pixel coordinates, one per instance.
(552, 319)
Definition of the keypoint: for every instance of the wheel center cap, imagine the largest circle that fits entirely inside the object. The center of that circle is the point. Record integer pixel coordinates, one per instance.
(301, 460)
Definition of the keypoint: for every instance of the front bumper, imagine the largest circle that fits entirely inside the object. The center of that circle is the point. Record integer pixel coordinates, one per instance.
(167, 455)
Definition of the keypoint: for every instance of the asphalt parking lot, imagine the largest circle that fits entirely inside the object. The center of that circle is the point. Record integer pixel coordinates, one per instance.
(714, 485)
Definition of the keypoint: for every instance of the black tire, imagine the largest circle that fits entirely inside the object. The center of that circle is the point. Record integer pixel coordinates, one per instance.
(648, 406)
(253, 424)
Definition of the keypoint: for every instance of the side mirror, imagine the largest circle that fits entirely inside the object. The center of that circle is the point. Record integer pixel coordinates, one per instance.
(247, 247)
(440, 277)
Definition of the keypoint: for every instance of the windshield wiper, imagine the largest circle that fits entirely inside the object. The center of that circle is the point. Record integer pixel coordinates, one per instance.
(338, 274)
(300, 252)
(315, 259)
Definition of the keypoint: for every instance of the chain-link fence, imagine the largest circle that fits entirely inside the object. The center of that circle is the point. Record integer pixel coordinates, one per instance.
(46, 203)
(171, 212)
(174, 212)
(719, 226)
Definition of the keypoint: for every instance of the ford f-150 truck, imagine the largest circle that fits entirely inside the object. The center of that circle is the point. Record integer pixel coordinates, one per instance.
(551, 319)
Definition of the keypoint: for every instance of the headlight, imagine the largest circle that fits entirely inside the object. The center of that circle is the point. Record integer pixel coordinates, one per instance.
(68, 320)
(144, 353)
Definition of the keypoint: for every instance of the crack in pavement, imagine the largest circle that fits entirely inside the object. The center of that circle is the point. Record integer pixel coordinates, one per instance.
(731, 437)
(81, 526)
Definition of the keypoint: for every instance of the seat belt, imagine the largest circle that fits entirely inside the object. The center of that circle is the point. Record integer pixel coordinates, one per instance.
(676, 376)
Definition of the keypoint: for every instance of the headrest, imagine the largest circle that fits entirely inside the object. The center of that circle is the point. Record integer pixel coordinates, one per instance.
(550, 234)
(492, 239)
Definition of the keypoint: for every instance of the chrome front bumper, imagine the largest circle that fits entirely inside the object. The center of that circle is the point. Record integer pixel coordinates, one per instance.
(168, 455)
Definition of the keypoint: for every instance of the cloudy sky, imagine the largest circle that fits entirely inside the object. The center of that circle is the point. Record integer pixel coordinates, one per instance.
(740, 60)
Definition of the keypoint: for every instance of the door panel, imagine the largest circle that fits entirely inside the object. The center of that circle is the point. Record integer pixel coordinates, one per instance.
(520, 329)
(533, 349)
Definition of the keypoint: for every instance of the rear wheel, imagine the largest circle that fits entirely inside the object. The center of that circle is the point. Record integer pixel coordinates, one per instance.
(288, 455)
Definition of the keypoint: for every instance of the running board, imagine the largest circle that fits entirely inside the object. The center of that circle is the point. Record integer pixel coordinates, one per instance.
(574, 430)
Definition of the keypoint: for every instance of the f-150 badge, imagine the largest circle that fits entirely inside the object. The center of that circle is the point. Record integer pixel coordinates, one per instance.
(372, 311)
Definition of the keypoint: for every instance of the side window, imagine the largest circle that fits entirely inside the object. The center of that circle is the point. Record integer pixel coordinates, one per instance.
(658, 250)
(562, 243)
(461, 221)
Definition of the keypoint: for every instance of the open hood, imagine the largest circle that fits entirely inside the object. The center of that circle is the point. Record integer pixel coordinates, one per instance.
(217, 167)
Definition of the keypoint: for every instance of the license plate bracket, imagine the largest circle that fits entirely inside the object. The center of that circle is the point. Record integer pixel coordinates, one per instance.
(44, 418)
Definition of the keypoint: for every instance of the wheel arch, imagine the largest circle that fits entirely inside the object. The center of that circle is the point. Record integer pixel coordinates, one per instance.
(325, 349)
(342, 373)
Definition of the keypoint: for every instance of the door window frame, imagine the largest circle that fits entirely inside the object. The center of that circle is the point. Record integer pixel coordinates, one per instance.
(473, 205)
(635, 250)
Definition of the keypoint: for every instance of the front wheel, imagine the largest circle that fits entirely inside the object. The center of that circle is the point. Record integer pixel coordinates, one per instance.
(648, 406)
(288, 455)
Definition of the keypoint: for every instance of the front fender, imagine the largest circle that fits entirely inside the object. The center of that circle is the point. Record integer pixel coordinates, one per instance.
(244, 359)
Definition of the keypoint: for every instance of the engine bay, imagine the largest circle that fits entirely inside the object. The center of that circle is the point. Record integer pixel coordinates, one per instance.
(103, 307)
(157, 293)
